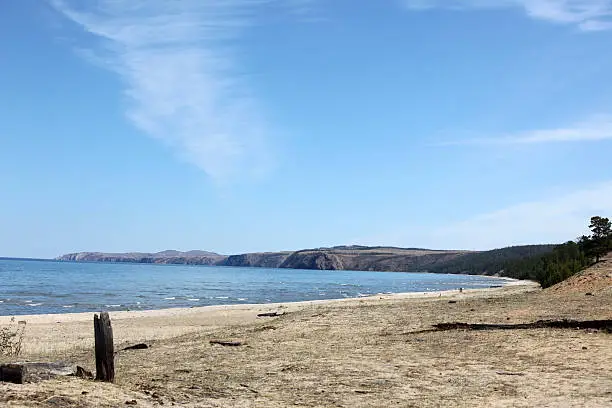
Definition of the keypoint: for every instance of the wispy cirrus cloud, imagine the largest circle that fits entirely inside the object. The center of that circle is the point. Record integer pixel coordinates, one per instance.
(177, 60)
(587, 15)
(597, 128)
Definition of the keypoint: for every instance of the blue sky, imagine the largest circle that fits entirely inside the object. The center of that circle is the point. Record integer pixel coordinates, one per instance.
(249, 125)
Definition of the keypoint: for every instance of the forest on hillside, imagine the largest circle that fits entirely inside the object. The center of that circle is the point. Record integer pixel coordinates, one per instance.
(546, 264)
(490, 262)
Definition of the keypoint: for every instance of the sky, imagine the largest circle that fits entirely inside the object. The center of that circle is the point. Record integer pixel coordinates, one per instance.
(263, 125)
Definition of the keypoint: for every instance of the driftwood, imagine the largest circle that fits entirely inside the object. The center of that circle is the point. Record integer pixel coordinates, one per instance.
(139, 346)
(605, 325)
(105, 353)
(20, 373)
(228, 343)
(249, 388)
(264, 328)
(270, 314)
(510, 373)
(83, 373)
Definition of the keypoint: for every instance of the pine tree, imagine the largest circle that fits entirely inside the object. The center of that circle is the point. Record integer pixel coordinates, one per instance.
(599, 245)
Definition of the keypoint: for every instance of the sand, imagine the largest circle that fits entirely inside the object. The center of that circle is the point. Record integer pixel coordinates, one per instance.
(59, 333)
(367, 352)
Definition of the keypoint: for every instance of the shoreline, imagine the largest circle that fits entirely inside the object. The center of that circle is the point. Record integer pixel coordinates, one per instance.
(62, 334)
(174, 311)
(42, 306)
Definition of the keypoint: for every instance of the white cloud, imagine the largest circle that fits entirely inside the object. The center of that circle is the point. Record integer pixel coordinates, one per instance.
(596, 128)
(556, 218)
(588, 15)
(551, 220)
(176, 59)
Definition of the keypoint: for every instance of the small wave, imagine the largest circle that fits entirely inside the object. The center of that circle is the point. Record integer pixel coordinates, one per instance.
(193, 300)
(242, 299)
(363, 294)
(1, 301)
(170, 298)
(67, 306)
(27, 301)
(34, 304)
(349, 284)
(60, 296)
(112, 305)
(222, 297)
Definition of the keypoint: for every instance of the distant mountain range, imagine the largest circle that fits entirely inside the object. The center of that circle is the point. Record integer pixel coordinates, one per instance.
(164, 257)
(354, 257)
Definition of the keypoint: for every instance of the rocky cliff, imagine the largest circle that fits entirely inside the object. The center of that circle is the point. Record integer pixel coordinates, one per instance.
(257, 259)
(335, 258)
(321, 260)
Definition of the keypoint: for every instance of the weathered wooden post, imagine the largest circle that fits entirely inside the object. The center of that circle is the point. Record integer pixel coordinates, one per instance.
(105, 350)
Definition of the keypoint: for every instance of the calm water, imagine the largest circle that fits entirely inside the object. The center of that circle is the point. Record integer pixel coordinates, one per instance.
(32, 287)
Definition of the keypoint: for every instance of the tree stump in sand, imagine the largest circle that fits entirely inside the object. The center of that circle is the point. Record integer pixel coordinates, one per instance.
(105, 351)
(14, 373)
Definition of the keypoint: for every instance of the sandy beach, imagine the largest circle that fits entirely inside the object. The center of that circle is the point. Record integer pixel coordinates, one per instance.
(366, 352)
(59, 333)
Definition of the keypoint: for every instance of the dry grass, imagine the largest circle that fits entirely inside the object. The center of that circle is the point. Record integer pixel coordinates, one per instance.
(358, 353)
(11, 338)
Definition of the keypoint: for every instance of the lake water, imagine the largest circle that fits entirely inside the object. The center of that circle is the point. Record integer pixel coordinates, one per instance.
(33, 287)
